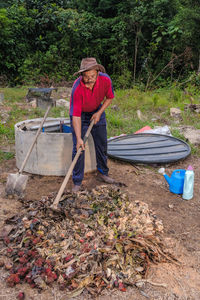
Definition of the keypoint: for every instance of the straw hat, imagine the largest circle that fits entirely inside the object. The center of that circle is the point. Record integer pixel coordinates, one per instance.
(90, 63)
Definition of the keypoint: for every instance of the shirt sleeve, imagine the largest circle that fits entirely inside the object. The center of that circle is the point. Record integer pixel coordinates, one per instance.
(76, 100)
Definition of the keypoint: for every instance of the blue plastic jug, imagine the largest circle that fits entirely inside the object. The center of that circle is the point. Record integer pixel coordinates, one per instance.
(176, 181)
(66, 129)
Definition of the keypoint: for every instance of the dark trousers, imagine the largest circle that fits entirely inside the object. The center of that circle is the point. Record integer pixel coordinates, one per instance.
(99, 134)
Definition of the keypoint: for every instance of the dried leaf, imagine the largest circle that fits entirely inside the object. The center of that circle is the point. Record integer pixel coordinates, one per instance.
(108, 272)
(129, 260)
(119, 247)
(75, 293)
(106, 249)
(85, 282)
(139, 269)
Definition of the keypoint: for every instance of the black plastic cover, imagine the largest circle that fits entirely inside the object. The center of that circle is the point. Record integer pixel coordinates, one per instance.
(148, 148)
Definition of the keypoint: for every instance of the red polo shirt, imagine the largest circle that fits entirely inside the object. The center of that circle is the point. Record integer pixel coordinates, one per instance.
(85, 100)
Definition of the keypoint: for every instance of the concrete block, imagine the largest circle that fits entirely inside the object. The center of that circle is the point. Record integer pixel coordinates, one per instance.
(44, 103)
(63, 102)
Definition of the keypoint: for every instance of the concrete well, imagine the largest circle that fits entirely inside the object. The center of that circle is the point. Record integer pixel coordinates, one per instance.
(52, 153)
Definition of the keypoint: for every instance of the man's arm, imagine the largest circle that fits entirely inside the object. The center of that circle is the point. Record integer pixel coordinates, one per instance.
(96, 117)
(76, 121)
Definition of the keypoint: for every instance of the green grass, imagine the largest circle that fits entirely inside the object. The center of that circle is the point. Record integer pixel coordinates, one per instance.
(155, 108)
(19, 110)
(121, 115)
(14, 95)
(7, 134)
(6, 155)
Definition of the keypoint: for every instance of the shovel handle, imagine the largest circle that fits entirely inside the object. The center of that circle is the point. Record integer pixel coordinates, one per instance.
(60, 192)
(33, 143)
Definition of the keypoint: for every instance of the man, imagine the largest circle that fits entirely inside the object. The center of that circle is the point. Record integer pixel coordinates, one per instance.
(91, 94)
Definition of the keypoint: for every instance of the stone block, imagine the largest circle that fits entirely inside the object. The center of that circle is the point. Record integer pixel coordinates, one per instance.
(62, 102)
(175, 112)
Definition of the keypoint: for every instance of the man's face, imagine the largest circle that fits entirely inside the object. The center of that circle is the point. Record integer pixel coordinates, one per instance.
(90, 77)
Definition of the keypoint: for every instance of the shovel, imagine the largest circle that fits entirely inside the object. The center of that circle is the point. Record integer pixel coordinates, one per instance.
(16, 183)
(54, 206)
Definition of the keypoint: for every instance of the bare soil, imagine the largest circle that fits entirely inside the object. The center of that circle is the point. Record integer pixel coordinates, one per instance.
(181, 235)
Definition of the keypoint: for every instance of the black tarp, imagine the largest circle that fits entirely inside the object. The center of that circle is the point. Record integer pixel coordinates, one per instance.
(148, 148)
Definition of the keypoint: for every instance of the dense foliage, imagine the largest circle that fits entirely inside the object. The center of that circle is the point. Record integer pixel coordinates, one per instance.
(138, 41)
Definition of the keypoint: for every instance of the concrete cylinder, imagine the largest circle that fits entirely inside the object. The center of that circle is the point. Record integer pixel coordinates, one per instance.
(52, 153)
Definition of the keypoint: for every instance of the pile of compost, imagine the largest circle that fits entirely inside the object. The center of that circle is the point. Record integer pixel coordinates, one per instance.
(99, 240)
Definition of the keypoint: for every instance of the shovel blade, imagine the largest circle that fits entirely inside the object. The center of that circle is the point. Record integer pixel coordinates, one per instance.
(16, 184)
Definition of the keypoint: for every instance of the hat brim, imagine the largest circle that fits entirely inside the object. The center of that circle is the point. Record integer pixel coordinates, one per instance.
(97, 67)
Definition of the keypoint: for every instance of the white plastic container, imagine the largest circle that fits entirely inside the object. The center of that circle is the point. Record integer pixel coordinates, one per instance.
(188, 186)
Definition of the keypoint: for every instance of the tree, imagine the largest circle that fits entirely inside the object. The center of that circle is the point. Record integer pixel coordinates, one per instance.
(188, 20)
(138, 41)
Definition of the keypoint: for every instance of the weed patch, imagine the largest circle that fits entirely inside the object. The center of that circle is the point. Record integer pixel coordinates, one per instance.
(6, 155)
(6, 133)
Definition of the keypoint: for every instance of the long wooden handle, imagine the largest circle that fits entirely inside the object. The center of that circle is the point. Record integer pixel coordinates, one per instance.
(61, 190)
(33, 143)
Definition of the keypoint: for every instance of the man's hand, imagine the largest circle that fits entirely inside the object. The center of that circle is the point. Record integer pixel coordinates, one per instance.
(76, 121)
(96, 117)
(80, 144)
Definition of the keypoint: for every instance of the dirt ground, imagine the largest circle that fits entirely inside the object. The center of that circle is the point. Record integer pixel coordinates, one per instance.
(181, 220)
